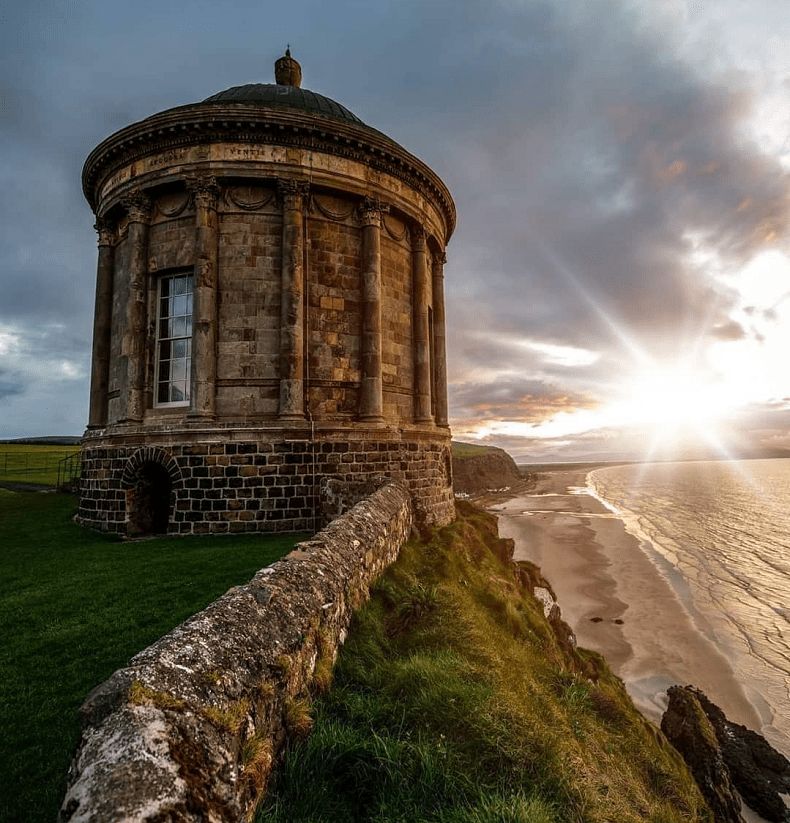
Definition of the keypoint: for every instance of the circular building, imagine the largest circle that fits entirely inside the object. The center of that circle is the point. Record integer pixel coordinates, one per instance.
(269, 328)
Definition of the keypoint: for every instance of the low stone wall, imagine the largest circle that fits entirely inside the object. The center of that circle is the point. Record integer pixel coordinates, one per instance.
(188, 731)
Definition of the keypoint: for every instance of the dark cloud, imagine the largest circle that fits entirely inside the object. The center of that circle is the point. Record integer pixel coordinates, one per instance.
(11, 385)
(589, 160)
(513, 399)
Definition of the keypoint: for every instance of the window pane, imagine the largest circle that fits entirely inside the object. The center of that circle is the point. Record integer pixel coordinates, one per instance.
(174, 344)
(180, 305)
(176, 392)
(178, 370)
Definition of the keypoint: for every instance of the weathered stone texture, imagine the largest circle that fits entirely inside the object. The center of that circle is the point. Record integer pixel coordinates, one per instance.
(172, 736)
(310, 239)
(171, 243)
(232, 485)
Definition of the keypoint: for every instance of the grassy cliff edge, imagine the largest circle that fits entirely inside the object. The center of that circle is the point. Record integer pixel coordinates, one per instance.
(455, 699)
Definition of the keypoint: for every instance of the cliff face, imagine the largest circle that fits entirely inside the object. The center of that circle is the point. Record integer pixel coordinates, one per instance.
(479, 468)
(460, 695)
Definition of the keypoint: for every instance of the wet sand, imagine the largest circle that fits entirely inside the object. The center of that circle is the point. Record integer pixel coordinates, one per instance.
(614, 598)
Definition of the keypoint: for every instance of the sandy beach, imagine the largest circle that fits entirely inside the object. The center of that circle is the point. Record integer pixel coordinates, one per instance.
(613, 596)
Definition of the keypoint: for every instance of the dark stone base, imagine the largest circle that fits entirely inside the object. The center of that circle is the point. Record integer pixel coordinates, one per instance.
(221, 481)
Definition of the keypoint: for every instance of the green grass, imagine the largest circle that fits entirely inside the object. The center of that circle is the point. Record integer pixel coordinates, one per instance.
(23, 463)
(454, 701)
(462, 450)
(74, 607)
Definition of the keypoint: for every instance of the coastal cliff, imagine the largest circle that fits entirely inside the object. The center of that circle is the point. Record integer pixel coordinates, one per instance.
(477, 469)
(460, 695)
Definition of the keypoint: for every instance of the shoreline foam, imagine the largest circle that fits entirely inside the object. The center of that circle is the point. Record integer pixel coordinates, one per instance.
(614, 596)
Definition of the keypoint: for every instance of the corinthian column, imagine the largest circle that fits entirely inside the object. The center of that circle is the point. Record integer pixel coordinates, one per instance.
(371, 402)
(203, 375)
(292, 193)
(102, 324)
(439, 340)
(422, 351)
(138, 208)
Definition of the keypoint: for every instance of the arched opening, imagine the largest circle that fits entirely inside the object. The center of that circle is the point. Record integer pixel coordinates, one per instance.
(148, 501)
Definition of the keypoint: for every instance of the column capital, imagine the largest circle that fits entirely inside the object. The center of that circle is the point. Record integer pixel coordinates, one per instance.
(371, 211)
(204, 189)
(439, 259)
(107, 231)
(138, 206)
(292, 192)
(418, 236)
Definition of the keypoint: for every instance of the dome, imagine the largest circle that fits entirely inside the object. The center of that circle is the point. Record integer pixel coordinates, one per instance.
(292, 97)
(285, 93)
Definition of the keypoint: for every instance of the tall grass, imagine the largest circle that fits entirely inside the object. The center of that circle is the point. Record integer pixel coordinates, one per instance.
(454, 701)
(75, 606)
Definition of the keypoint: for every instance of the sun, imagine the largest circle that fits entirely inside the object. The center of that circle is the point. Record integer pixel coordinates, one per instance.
(677, 404)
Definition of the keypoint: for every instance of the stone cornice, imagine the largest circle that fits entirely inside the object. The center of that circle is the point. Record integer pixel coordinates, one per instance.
(248, 123)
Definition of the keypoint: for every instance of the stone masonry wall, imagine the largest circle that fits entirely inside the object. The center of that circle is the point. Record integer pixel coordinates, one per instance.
(228, 485)
(248, 327)
(188, 731)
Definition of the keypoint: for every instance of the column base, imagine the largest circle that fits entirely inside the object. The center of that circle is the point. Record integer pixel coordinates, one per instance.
(292, 418)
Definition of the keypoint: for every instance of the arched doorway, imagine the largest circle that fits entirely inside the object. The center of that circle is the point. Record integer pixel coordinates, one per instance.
(148, 501)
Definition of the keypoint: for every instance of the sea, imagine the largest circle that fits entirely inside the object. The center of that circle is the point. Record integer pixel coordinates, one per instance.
(719, 532)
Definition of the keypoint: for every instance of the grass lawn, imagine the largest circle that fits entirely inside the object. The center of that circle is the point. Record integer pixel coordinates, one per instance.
(23, 463)
(74, 607)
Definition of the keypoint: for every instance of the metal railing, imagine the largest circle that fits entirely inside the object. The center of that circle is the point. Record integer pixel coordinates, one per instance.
(69, 471)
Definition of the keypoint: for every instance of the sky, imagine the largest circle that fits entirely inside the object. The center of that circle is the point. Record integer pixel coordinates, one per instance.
(618, 285)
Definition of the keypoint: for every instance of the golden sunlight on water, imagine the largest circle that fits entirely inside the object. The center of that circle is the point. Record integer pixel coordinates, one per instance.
(720, 533)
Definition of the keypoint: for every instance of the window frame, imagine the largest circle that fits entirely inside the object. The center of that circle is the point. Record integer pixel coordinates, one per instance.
(170, 277)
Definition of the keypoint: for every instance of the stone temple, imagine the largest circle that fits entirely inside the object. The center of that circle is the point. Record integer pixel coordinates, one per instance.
(269, 328)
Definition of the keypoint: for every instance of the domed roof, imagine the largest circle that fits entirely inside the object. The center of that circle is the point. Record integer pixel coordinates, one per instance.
(285, 93)
(292, 97)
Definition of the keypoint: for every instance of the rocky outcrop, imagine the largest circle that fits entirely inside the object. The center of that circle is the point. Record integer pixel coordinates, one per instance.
(759, 772)
(188, 731)
(688, 729)
(492, 468)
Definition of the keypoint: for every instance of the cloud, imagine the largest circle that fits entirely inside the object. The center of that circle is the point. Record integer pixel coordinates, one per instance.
(603, 158)
(11, 385)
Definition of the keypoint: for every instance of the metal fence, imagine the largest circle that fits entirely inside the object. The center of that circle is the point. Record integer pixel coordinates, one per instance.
(46, 467)
(69, 472)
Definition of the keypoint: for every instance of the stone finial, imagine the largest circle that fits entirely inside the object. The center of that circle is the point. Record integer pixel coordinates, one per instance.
(287, 72)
